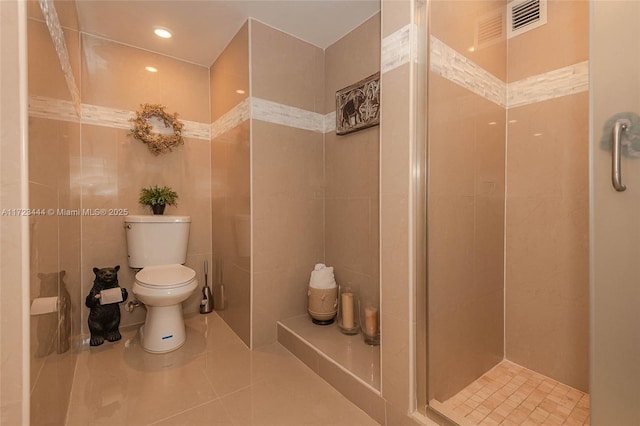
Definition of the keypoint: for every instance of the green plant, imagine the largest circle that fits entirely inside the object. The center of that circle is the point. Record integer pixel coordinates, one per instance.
(155, 195)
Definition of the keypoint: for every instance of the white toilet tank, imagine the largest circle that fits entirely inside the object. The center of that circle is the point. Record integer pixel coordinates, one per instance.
(156, 239)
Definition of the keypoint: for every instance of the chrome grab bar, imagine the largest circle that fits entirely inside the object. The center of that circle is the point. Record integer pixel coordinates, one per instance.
(616, 176)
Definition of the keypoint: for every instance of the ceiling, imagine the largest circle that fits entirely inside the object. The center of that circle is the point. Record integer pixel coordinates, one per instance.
(201, 29)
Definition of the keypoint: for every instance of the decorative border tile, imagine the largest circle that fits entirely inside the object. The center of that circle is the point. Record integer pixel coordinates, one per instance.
(259, 109)
(231, 118)
(195, 130)
(52, 109)
(57, 36)
(285, 115)
(457, 68)
(107, 117)
(398, 48)
(553, 84)
(444, 61)
(119, 118)
(56, 109)
(330, 122)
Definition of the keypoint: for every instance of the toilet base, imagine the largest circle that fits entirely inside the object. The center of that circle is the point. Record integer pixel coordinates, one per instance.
(163, 330)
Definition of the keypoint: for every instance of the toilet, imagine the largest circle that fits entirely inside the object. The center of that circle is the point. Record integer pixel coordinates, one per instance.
(157, 245)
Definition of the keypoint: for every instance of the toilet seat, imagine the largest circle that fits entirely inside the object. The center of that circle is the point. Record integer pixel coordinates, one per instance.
(165, 276)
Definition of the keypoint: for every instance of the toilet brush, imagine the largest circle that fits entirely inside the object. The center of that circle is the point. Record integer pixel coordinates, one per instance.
(221, 301)
(206, 306)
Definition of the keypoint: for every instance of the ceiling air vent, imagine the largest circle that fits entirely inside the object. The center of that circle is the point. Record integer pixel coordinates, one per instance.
(525, 15)
(489, 29)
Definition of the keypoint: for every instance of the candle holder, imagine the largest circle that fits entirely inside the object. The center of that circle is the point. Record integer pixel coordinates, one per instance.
(370, 324)
(348, 306)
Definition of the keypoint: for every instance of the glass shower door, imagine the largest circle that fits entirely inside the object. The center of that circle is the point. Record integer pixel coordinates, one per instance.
(615, 213)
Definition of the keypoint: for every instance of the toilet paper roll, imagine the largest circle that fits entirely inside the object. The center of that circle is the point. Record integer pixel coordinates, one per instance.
(44, 305)
(112, 295)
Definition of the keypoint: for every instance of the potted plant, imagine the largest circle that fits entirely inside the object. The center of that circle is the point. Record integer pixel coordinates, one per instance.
(158, 197)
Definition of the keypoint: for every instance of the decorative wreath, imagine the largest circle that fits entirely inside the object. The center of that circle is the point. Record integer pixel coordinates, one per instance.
(156, 142)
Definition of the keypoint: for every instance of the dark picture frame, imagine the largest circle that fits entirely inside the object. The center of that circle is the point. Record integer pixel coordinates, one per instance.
(358, 105)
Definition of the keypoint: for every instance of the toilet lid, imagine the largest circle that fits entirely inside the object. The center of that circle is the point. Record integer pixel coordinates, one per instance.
(165, 275)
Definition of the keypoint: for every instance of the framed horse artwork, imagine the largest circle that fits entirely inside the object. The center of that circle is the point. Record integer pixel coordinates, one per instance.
(358, 105)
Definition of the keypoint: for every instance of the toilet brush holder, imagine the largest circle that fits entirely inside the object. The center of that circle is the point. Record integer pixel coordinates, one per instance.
(206, 306)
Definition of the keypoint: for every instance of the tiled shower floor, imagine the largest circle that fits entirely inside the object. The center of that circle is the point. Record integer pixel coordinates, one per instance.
(510, 394)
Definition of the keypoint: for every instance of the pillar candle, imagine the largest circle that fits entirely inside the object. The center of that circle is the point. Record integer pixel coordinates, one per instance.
(371, 321)
(347, 310)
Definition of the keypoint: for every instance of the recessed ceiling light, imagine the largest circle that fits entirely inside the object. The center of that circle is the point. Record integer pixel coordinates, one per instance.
(162, 32)
(151, 69)
(240, 92)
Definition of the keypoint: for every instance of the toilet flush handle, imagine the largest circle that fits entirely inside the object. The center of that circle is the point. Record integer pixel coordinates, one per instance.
(132, 305)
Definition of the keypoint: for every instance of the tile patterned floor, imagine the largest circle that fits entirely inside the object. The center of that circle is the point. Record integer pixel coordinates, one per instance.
(214, 379)
(510, 395)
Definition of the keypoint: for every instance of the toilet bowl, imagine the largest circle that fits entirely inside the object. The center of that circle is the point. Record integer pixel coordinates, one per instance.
(162, 289)
(157, 248)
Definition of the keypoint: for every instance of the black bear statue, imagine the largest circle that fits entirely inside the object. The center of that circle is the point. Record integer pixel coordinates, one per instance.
(104, 320)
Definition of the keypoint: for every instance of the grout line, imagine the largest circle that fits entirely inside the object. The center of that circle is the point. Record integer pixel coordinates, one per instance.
(514, 378)
(184, 411)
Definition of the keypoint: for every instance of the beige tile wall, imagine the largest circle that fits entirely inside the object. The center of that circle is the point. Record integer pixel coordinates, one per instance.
(116, 166)
(54, 150)
(394, 237)
(229, 74)
(547, 239)
(466, 234)
(231, 188)
(566, 30)
(465, 209)
(350, 59)
(547, 290)
(352, 170)
(287, 180)
(287, 222)
(230, 192)
(114, 76)
(455, 23)
(44, 80)
(65, 9)
(285, 69)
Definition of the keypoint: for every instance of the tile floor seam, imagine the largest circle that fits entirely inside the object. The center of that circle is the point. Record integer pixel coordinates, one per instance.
(155, 422)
